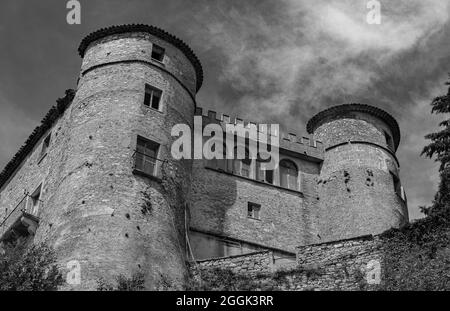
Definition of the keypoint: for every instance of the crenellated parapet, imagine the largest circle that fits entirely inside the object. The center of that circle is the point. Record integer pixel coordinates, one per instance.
(303, 144)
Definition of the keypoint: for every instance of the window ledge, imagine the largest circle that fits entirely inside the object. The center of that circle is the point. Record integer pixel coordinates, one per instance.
(149, 176)
(256, 181)
(158, 62)
(152, 109)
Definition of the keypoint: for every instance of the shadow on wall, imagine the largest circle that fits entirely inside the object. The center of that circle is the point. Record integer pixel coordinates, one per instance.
(213, 194)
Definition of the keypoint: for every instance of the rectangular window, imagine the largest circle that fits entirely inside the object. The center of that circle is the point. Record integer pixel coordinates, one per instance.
(146, 156)
(205, 246)
(152, 97)
(157, 53)
(253, 210)
(269, 176)
(45, 145)
(397, 185)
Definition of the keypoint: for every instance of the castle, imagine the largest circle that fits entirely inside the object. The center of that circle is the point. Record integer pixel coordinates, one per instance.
(98, 183)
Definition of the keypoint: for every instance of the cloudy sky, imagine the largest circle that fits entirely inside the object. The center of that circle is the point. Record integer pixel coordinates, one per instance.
(267, 61)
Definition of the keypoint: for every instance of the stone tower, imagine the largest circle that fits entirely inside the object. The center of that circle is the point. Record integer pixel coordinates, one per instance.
(123, 211)
(359, 189)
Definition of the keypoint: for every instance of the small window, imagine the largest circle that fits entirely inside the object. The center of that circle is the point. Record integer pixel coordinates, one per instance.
(146, 156)
(253, 210)
(397, 185)
(152, 97)
(269, 176)
(45, 145)
(157, 53)
(35, 199)
(388, 139)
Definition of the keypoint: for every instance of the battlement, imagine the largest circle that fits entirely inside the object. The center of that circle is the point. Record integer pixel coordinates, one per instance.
(303, 144)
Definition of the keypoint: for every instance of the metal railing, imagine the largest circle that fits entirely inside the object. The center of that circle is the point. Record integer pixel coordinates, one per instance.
(12, 217)
(148, 165)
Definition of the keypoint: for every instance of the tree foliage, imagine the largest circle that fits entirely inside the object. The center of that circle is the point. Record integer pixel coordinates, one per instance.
(28, 268)
(439, 148)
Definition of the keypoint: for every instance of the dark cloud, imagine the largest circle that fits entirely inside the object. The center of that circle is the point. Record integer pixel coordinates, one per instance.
(271, 61)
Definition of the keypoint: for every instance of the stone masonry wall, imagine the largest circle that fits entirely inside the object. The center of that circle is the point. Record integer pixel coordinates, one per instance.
(137, 46)
(100, 221)
(344, 265)
(356, 185)
(95, 211)
(354, 264)
(287, 218)
(250, 264)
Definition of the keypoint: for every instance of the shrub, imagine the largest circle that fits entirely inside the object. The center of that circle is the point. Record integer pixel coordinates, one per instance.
(28, 268)
(123, 284)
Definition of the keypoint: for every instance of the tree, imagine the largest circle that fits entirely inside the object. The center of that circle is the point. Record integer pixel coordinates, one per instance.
(440, 149)
(28, 268)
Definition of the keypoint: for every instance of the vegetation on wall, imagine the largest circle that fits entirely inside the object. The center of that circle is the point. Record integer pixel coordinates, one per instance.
(418, 255)
(123, 283)
(28, 268)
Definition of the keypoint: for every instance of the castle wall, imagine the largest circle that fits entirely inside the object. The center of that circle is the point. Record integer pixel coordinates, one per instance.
(95, 209)
(251, 264)
(355, 126)
(304, 144)
(352, 264)
(137, 46)
(356, 187)
(219, 203)
(104, 225)
(348, 265)
(34, 171)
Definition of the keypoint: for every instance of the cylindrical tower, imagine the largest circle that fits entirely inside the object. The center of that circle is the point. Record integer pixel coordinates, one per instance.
(359, 189)
(124, 194)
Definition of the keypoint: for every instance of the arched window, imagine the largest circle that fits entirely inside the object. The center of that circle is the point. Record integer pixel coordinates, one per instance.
(288, 175)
